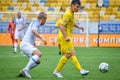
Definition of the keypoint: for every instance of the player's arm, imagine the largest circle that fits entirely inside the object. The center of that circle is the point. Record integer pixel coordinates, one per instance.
(34, 44)
(79, 27)
(57, 24)
(23, 25)
(8, 30)
(14, 24)
(64, 22)
(62, 29)
(39, 36)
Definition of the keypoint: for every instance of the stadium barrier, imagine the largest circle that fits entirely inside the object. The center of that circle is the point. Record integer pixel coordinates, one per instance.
(106, 40)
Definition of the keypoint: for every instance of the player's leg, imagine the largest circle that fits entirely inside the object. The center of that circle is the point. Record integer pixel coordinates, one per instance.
(32, 63)
(15, 45)
(76, 63)
(16, 41)
(21, 35)
(60, 64)
(34, 55)
(63, 59)
(12, 37)
(34, 60)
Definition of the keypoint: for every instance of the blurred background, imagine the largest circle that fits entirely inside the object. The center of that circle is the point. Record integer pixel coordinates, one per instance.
(100, 19)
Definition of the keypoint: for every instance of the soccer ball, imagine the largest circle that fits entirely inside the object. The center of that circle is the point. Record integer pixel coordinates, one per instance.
(103, 67)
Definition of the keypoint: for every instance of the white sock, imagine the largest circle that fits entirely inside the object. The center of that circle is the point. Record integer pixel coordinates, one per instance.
(32, 62)
(15, 47)
(32, 66)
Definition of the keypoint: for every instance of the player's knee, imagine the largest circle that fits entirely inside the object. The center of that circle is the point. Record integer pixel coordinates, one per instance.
(37, 52)
(68, 55)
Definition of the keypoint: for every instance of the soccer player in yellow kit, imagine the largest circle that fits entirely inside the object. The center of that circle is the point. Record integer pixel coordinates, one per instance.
(64, 35)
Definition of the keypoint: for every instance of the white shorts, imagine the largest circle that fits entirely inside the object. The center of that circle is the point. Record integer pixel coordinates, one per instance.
(19, 34)
(27, 48)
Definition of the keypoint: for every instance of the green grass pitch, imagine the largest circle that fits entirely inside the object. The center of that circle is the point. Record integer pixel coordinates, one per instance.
(89, 58)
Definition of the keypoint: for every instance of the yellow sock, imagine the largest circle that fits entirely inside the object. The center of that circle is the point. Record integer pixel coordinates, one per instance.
(61, 63)
(76, 63)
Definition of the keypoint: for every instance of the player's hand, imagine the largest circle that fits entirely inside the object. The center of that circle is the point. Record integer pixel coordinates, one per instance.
(67, 39)
(19, 29)
(82, 29)
(44, 41)
(12, 32)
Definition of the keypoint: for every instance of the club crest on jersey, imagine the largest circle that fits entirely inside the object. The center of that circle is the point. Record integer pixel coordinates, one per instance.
(64, 21)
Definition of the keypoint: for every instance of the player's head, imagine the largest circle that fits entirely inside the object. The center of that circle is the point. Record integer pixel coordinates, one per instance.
(75, 5)
(42, 17)
(19, 14)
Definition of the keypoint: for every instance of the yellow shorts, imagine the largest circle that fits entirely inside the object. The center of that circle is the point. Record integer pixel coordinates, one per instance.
(66, 47)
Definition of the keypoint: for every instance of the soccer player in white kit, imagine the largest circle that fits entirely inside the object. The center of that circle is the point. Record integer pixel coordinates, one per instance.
(19, 29)
(27, 44)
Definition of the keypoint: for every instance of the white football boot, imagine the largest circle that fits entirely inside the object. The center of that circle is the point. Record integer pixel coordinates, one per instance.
(26, 73)
(57, 74)
(84, 72)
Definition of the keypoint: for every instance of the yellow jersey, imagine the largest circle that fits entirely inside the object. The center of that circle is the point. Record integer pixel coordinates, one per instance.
(58, 23)
(68, 22)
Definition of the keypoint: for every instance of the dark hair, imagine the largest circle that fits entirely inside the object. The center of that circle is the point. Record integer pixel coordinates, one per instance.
(76, 2)
(41, 15)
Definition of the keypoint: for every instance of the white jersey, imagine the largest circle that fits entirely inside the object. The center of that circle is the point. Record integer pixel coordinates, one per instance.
(29, 36)
(19, 23)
